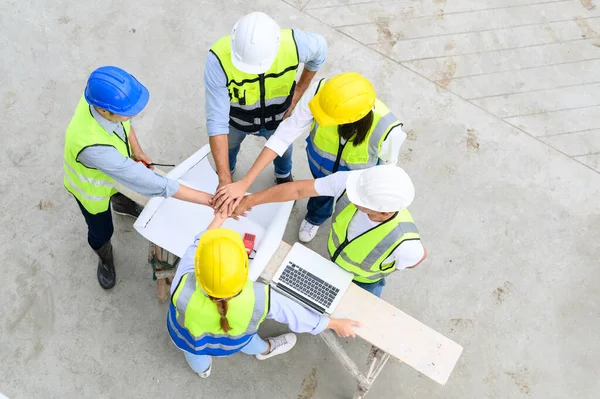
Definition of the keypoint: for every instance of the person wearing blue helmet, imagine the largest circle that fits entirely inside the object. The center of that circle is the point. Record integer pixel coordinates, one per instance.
(101, 150)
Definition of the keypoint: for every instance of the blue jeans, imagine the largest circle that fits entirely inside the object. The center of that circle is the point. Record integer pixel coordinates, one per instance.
(319, 210)
(373, 288)
(282, 164)
(201, 363)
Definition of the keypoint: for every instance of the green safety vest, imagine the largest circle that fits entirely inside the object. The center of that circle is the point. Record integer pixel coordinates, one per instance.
(260, 100)
(364, 255)
(194, 321)
(326, 153)
(90, 186)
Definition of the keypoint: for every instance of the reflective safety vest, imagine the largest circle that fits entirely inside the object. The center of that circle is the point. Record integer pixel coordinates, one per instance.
(90, 186)
(327, 154)
(193, 320)
(364, 255)
(260, 100)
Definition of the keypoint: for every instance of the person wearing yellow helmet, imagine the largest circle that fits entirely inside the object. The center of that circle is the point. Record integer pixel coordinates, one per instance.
(350, 129)
(216, 311)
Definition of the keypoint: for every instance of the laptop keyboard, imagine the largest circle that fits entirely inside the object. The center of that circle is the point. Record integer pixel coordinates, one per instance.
(308, 284)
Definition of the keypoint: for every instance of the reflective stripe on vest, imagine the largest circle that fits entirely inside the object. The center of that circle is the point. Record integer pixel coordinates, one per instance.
(324, 146)
(364, 255)
(198, 331)
(260, 100)
(91, 187)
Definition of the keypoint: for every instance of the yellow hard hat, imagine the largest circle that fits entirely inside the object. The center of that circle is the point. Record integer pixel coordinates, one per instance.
(221, 263)
(346, 98)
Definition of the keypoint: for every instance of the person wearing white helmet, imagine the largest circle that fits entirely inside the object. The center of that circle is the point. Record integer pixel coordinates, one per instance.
(250, 86)
(372, 232)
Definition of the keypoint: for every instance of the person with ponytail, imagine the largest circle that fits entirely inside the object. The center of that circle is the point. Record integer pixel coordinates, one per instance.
(216, 311)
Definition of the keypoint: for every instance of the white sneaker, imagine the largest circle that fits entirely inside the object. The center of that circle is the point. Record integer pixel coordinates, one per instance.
(279, 345)
(206, 373)
(307, 231)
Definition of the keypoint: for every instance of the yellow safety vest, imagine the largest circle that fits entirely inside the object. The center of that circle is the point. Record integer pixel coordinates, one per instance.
(90, 186)
(327, 155)
(364, 255)
(260, 100)
(193, 320)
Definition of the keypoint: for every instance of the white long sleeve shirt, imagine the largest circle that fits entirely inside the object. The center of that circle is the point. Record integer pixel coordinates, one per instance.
(407, 254)
(282, 309)
(299, 122)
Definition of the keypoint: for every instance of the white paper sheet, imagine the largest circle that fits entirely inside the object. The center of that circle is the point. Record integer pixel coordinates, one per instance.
(172, 224)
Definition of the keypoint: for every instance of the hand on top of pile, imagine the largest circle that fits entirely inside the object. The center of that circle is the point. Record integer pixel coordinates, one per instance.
(228, 197)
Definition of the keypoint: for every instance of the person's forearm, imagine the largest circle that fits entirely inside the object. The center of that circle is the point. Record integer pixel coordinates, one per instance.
(283, 192)
(305, 78)
(217, 222)
(265, 157)
(220, 152)
(136, 148)
(278, 193)
(188, 194)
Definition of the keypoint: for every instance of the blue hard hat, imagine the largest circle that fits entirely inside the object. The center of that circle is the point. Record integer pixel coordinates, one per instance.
(115, 90)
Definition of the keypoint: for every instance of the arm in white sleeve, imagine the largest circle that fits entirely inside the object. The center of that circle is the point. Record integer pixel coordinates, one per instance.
(332, 185)
(390, 148)
(186, 264)
(298, 318)
(408, 254)
(295, 126)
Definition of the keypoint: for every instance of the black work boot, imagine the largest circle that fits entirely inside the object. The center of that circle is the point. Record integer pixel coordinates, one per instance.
(124, 206)
(107, 276)
(281, 180)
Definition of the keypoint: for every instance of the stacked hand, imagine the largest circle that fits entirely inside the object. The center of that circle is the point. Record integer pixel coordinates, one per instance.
(228, 198)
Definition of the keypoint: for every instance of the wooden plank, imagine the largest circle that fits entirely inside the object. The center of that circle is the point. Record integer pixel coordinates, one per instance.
(162, 289)
(276, 261)
(390, 329)
(399, 334)
(166, 274)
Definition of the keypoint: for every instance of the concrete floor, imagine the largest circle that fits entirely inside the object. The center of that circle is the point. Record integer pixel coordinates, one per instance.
(500, 99)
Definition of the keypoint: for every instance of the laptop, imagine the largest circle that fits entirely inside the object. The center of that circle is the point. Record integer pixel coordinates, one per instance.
(311, 280)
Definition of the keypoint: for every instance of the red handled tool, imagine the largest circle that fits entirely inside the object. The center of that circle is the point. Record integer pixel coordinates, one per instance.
(249, 242)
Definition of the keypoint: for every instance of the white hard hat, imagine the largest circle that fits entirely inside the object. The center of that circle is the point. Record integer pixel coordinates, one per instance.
(384, 188)
(254, 43)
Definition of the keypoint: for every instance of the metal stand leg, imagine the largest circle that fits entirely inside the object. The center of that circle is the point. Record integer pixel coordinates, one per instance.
(376, 360)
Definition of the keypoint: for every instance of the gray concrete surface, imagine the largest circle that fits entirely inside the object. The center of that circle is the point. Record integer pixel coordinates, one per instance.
(500, 99)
